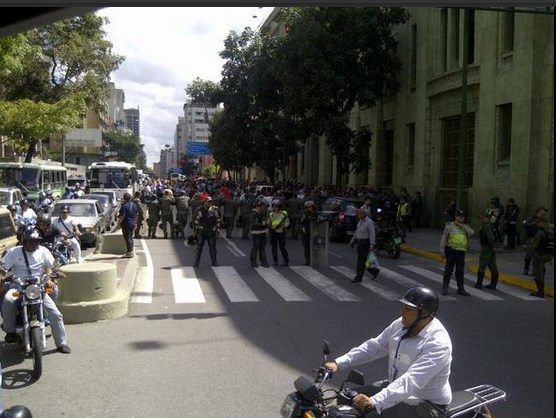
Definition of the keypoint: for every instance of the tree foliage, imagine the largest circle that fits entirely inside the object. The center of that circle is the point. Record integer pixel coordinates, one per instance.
(126, 145)
(58, 70)
(204, 92)
(281, 92)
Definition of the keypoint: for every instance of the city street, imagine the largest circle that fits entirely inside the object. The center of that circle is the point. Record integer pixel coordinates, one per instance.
(229, 341)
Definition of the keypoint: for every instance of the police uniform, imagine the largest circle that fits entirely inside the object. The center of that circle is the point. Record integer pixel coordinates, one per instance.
(279, 223)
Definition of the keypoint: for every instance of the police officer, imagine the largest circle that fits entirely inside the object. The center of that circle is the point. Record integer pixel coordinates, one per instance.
(244, 207)
(259, 231)
(309, 214)
(279, 222)
(207, 228)
(530, 224)
(294, 206)
(510, 222)
(487, 256)
(166, 214)
(140, 215)
(542, 255)
(182, 212)
(153, 208)
(230, 212)
(453, 246)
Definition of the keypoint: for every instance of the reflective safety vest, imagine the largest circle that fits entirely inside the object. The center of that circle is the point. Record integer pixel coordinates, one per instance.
(457, 238)
(279, 220)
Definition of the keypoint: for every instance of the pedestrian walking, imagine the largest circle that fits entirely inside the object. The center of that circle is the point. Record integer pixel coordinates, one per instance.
(530, 224)
(259, 232)
(207, 229)
(365, 237)
(127, 220)
(543, 245)
(487, 256)
(279, 223)
(510, 223)
(453, 246)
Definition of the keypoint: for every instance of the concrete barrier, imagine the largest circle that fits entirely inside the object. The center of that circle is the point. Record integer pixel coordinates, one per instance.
(90, 293)
(111, 243)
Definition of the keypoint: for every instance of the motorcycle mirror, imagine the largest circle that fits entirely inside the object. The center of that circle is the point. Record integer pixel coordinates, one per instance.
(326, 347)
(355, 376)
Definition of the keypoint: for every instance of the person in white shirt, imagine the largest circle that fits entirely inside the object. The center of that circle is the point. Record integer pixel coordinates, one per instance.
(419, 351)
(26, 211)
(31, 259)
(65, 224)
(365, 238)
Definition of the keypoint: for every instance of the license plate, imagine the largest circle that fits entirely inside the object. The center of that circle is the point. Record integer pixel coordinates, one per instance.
(397, 241)
(288, 407)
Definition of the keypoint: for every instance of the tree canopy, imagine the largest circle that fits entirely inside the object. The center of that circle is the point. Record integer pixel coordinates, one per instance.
(279, 92)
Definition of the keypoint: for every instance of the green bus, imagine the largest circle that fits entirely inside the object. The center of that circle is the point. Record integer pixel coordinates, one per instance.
(32, 178)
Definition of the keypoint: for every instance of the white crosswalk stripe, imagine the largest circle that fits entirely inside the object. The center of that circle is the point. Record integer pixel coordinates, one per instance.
(282, 286)
(439, 278)
(324, 284)
(235, 287)
(372, 286)
(187, 288)
(389, 285)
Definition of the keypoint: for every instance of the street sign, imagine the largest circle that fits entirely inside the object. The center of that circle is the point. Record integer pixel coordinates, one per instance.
(198, 148)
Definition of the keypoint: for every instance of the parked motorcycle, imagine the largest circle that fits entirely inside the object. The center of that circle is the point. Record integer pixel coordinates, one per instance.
(30, 318)
(310, 400)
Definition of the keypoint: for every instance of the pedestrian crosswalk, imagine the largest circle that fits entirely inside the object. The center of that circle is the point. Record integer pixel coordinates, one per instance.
(293, 284)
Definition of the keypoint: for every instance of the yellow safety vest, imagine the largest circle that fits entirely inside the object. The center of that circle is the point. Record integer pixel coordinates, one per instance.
(457, 239)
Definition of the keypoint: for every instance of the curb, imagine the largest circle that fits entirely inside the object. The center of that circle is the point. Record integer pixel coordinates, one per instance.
(473, 268)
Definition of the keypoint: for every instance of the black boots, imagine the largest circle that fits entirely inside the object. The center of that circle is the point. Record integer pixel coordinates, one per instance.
(461, 289)
(480, 277)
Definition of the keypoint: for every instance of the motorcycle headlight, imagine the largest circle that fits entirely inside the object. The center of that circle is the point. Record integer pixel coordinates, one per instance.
(33, 291)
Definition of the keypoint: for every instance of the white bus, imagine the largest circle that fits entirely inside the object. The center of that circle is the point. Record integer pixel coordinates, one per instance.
(112, 176)
(33, 178)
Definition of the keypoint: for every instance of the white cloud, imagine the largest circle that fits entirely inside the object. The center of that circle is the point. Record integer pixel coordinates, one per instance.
(165, 49)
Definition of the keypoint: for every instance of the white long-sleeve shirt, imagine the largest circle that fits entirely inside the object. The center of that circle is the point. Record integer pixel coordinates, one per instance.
(365, 230)
(418, 366)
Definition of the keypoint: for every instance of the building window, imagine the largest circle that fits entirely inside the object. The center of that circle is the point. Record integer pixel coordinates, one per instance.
(471, 37)
(508, 32)
(413, 58)
(451, 129)
(444, 38)
(410, 144)
(504, 132)
(454, 38)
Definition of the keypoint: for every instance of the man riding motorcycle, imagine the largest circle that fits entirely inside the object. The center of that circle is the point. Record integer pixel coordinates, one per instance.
(419, 349)
(31, 259)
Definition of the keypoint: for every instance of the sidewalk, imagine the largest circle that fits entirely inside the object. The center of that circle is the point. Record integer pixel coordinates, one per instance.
(425, 242)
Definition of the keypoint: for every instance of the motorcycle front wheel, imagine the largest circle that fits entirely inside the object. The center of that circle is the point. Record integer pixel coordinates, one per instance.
(393, 250)
(36, 351)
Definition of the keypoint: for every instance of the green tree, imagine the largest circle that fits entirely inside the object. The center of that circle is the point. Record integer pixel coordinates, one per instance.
(204, 92)
(125, 144)
(332, 59)
(65, 61)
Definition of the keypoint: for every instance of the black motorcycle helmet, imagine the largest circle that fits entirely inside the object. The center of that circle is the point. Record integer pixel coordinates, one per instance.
(44, 219)
(11, 208)
(17, 411)
(421, 298)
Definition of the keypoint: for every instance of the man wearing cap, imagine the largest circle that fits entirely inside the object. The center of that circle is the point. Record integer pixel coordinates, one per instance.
(206, 228)
(419, 350)
(453, 246)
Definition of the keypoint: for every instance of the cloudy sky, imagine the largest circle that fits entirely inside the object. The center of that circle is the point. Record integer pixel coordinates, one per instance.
(165, 49)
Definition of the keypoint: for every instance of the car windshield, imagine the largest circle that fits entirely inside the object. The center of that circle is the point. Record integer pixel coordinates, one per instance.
(110, 196)
(5, 198)
(78, 209)
(104, 200)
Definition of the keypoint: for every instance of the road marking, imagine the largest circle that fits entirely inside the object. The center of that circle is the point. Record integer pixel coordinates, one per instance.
(187, 288)
(234, 249)
(372, 286)
(144, 283)
(234, 286)
(324, 284)
(439, 278)
(282, 286)
(406, 281)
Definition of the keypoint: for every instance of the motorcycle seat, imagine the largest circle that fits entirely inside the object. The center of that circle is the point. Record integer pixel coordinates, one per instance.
(461, 400)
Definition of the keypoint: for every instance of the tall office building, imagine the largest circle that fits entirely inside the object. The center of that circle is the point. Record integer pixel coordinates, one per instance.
(196, 128)
(132, 121)
(116, 113)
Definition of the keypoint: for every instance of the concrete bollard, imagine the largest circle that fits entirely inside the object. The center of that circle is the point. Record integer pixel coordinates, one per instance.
(89, 293)
(111, 243)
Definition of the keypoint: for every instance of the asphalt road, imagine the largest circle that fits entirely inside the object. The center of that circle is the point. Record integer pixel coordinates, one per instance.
(237, 353)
